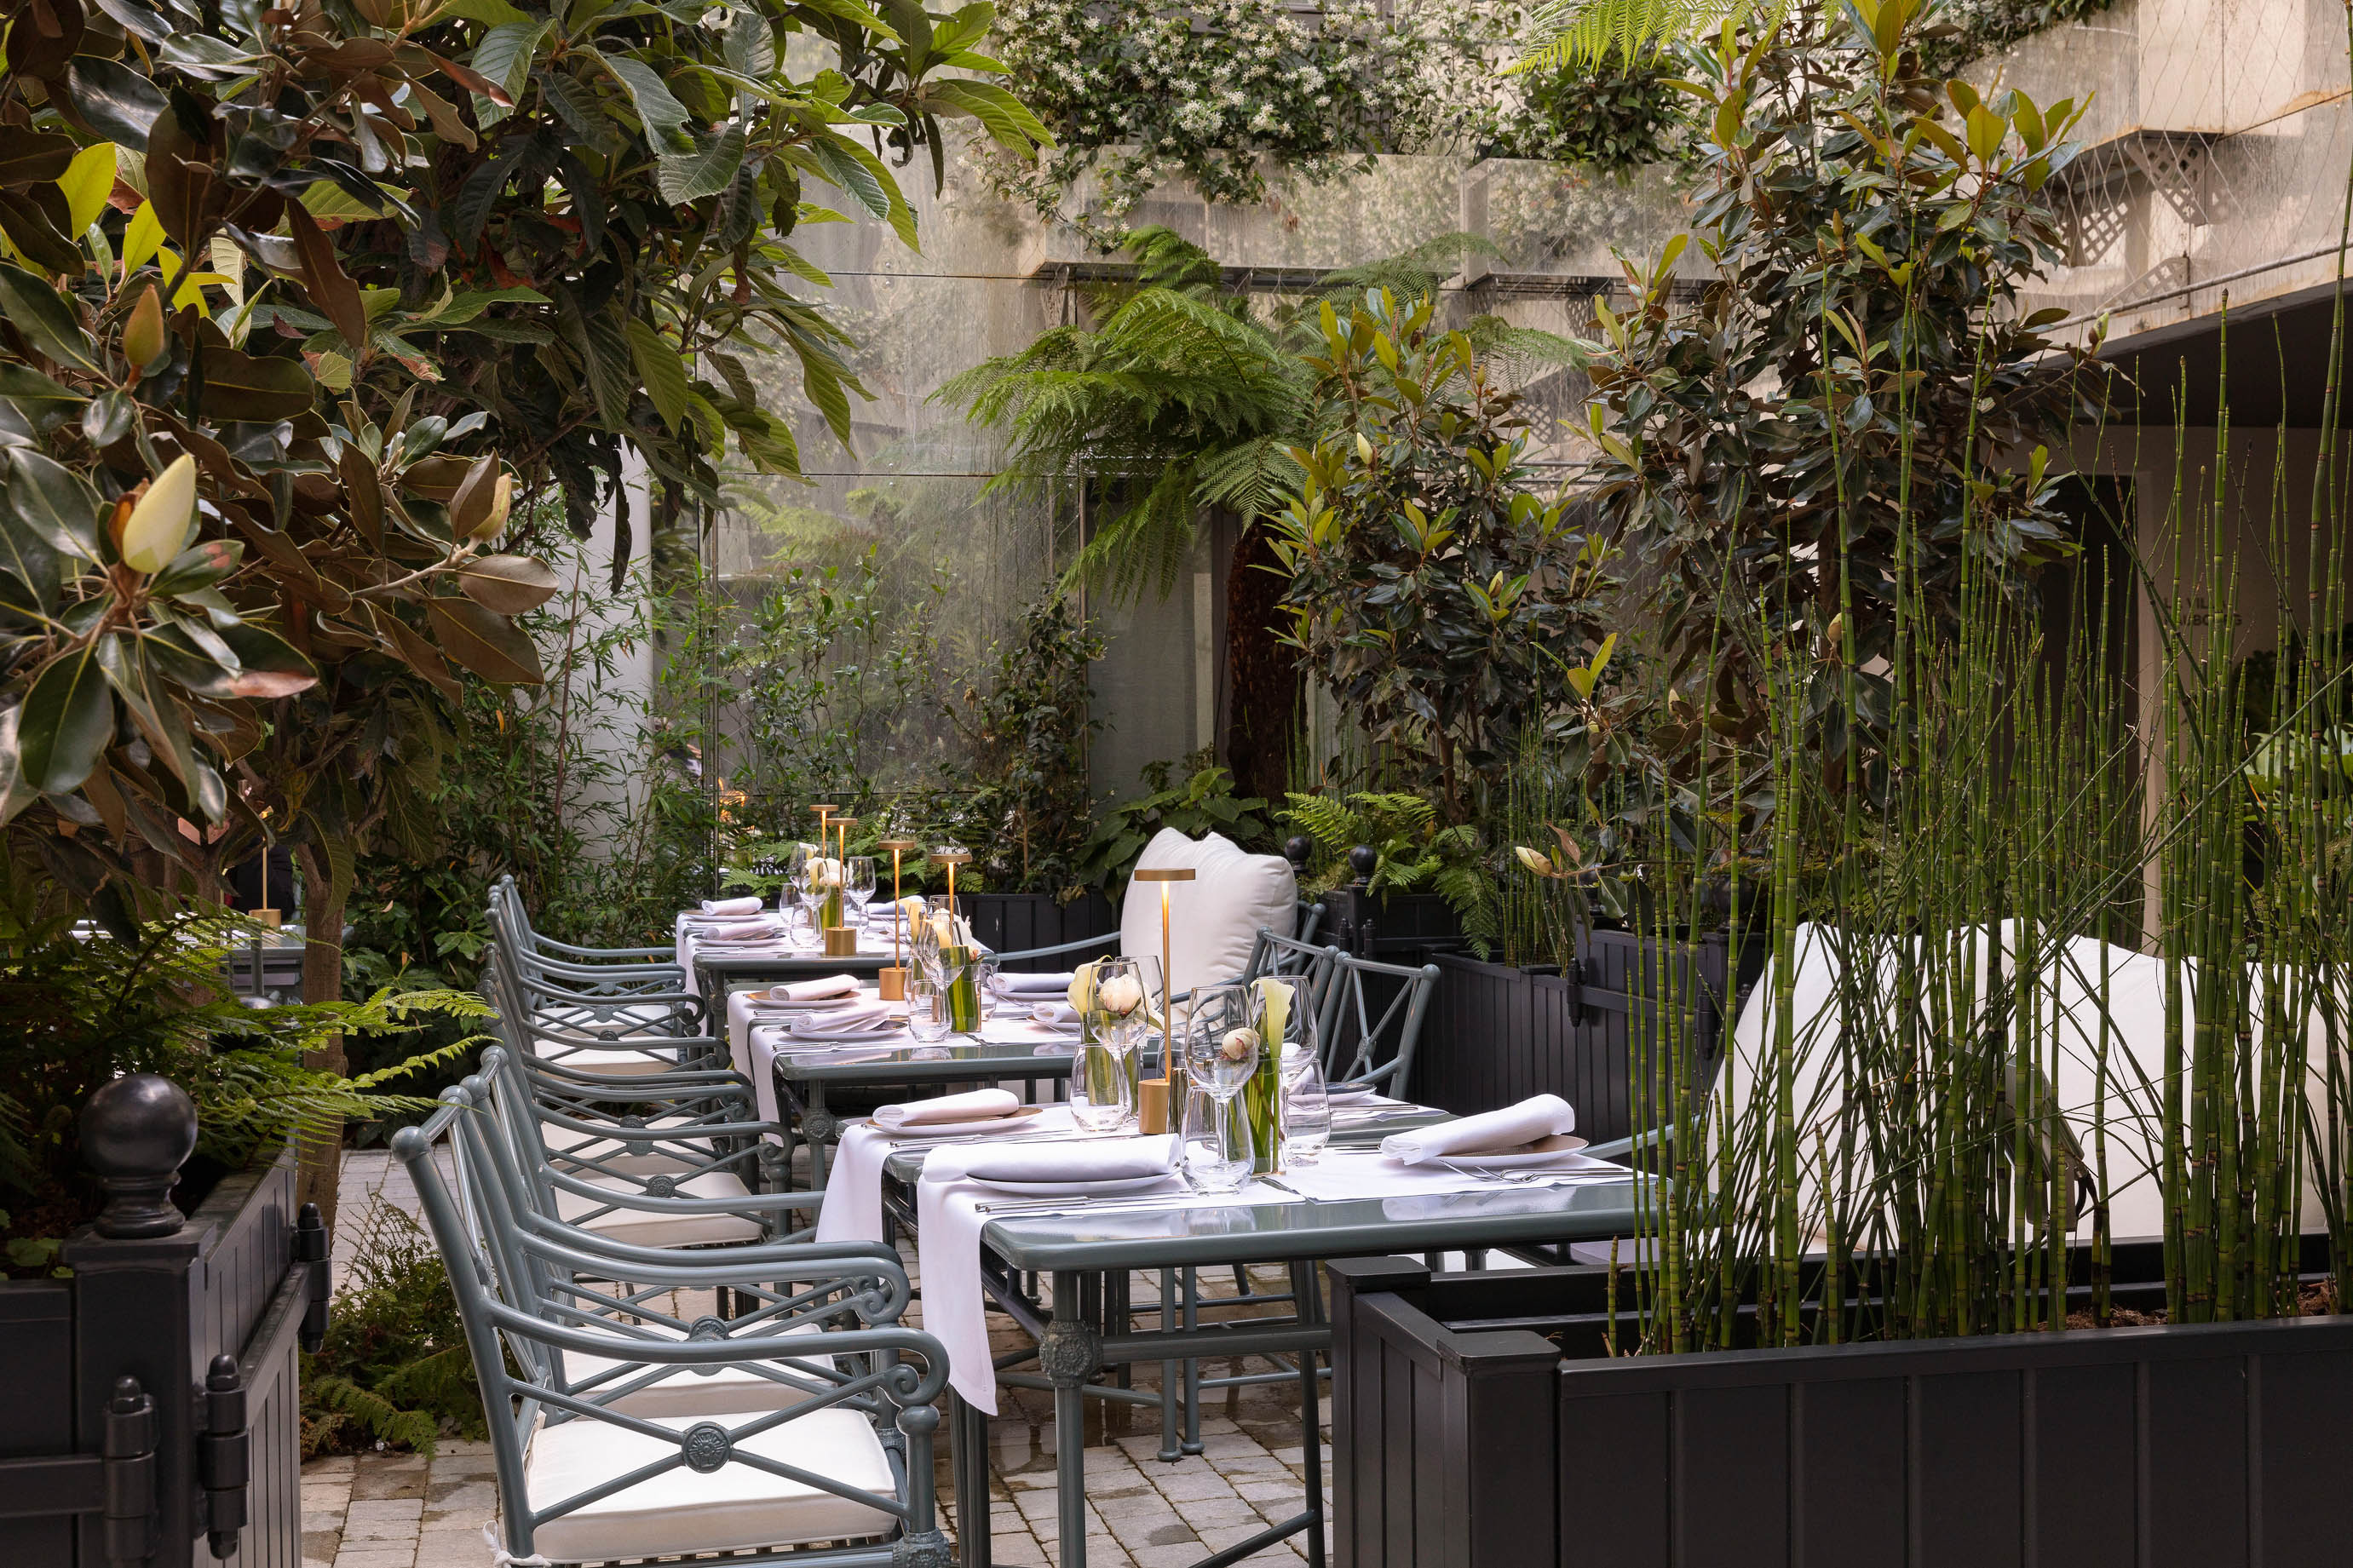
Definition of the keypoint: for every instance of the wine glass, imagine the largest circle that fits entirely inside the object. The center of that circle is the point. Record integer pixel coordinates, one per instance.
(1306, 1105)
(1221, 1051)
(790, 901)
(858, 885)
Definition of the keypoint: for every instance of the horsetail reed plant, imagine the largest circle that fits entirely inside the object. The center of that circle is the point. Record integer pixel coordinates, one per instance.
(2047, 954)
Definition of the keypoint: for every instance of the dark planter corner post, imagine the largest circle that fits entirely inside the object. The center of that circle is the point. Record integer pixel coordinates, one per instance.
(142, 1441)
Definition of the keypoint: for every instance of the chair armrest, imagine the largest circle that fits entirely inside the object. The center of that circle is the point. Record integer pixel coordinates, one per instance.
(763, 1202)
(548, 943)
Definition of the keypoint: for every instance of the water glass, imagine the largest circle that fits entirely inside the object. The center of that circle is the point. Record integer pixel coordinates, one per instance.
(1217, 1150)
(983, 970)
(1307, 1108)
(1100, 1097)
(858, 883)
(927, 1004)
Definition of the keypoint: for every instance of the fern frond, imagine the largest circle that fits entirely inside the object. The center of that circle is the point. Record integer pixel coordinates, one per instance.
(376, 1414)
(1585, 33)
(1334, 827)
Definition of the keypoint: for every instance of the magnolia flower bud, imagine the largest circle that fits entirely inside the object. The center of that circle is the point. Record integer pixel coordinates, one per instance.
(1121, 994)
(1535, 860)
(160, 525)
(143, 334)
(502, 501)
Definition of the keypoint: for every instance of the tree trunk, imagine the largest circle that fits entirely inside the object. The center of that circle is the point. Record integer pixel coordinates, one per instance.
(322, 980)
(1261, 671)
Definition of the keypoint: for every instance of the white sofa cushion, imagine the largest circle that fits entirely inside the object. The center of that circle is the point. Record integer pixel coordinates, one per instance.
(1213, 919)
(644, 1228)
(689, 1391)
(682, 1510)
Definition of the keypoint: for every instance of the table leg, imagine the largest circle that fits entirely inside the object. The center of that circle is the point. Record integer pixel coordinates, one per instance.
(1170, 1371)
(968, 1449)
(1191, 1286)
(818, 1129)
(1311, 1422)
(1070, 1353)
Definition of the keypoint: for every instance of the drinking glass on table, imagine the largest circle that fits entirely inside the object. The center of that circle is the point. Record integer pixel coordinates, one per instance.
(858, 885)
(984, 971)
(1221, 1051)
(1306, 1106)
(927, 1004)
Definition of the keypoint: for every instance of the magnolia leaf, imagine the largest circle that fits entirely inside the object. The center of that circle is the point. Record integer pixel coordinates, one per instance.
(27, 156)
(469, 503)
(1005, 117)
(419, 654)
(86, 184)
(507, 585)
(240, 386)
(34, 224)
(182, 189)
(484, 642)
(329, 286)
(489, 13)
(113, 99)
(686, 177)
(36, 310)
(503, 58)
(662, 370)
(142, 239)
(64, 724)
(443, 114)
(271, 666)
(56, 503)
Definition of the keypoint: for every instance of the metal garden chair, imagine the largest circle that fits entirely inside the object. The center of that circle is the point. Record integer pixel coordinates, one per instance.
(802, 1434)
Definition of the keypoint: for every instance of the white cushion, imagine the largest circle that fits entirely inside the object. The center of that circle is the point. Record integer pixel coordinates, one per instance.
(680, 1511)
(643, 1227)
(1213, 919)
(603, 1061)
(687, 1391)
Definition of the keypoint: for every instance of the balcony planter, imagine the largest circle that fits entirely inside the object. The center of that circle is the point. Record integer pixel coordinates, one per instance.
(154, 1414)
(1496, 1035)
(1458, 1441)
(1016, 923)
(1394, 928)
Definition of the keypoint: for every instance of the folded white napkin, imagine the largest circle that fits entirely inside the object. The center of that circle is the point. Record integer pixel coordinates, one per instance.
(1056, 1014)
(815, 990)
(730, 906)
(1033, 984)
(968, 1107)
(1540, 1117)
(848, 1022)
(1089, 1159)
(731, 923)
(853, 1186)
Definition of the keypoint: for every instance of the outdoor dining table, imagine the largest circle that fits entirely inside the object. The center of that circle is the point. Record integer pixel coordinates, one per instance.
(1086, 1244)
(811, 1077)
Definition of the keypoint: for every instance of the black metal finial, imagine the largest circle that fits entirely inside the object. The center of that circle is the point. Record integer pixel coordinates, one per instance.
(136, 1132)
(1299, 849)
(1362, 860)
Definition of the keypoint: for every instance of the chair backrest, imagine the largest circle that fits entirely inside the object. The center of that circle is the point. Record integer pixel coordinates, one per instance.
(516, 1298)
(1371, 1021)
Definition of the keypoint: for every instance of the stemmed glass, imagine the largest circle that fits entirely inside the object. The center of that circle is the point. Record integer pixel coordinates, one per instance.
(1221, 1051)
(858, 885)
(793, 898)
(1306, 1104)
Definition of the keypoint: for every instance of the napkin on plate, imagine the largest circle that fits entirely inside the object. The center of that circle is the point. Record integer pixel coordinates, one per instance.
(1492, 1130)
(830, 986)
(1081, 1159)
(1033, 984)
(862, 1021)
(731, 906)
(968, 1107)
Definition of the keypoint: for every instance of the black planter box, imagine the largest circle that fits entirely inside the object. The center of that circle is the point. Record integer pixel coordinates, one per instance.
(173, 1462)
(1496, 1035)
(1394, 928)
(1017, 922)
(1462, 1442)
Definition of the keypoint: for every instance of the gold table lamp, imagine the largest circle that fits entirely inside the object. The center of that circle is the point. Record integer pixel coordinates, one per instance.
(892, 982)
(951, 856)
(1153, 1109)
(842, 942)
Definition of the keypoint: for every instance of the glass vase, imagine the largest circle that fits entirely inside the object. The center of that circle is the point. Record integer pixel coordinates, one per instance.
(963, 989)
(1260, 1100)
(828, 908)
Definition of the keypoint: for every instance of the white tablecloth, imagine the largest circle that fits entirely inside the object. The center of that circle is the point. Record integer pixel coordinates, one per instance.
(1367, 1173)
(853, 1187)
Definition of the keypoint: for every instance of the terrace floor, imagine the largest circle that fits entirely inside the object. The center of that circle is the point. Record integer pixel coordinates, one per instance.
(401, 1510)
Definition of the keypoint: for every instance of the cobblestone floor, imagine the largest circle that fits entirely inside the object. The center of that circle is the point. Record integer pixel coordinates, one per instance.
(399, 1511)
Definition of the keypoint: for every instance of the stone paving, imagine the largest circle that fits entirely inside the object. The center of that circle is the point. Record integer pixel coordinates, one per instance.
(400, 1510)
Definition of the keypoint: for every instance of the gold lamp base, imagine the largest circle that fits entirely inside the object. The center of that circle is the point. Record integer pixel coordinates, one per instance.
(842, 942)
(892, 982)
(1152, 1107)
(273, 918)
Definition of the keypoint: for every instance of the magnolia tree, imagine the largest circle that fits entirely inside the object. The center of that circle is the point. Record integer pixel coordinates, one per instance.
(301, 302)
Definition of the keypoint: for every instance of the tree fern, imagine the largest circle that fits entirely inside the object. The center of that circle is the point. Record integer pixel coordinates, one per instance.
(1587, 32)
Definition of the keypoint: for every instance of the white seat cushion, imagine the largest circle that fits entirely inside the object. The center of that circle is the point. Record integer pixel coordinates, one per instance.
(1213, 919)
(642, 1227)
(685, 1390)
(680, 1511)
(604, 1061)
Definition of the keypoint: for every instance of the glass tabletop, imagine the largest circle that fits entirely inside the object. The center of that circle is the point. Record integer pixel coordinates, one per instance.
(1281, 1233)
(954, 1059)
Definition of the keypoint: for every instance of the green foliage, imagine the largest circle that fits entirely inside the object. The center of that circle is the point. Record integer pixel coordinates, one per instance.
(1027, 820)
(1822, 425)
(1418, 853)
(1431, 589)
(82, 1008)
(1204, 803)
(395, 1368)
(1981, 28)
(1611, 117)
